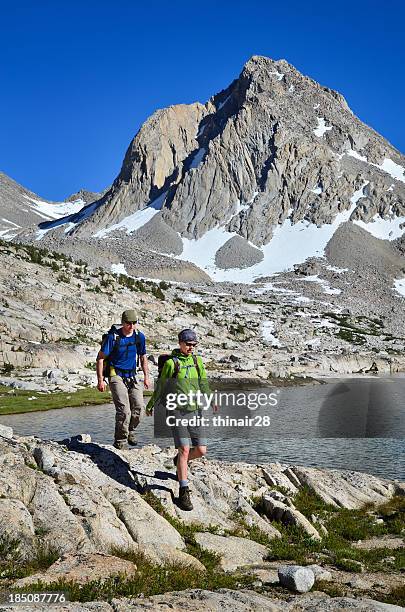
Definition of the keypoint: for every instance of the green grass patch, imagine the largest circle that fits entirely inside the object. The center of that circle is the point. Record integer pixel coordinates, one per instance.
(12, 566)
(330, 588)
(344, 527)
(14, 401)
(309, 503)
(150, 579)
(396, 596)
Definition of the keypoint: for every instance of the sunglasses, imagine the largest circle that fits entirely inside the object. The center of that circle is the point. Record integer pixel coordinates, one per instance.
(131, 322)
(190, 343)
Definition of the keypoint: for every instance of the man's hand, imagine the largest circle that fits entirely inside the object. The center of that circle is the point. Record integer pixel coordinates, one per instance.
(146, 382)
(101, 385)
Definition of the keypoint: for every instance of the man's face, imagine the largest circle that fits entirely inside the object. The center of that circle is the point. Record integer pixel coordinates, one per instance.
(187, 347)
(128, 327)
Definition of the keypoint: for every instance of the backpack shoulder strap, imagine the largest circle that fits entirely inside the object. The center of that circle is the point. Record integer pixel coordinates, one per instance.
(197, 365)
(117, 340)
(176, 366)
(138, 347)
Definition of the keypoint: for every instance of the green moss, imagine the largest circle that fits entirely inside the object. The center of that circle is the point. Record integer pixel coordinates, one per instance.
(348, 565)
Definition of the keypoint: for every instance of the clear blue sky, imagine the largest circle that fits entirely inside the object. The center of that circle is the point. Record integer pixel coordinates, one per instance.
(78, 78)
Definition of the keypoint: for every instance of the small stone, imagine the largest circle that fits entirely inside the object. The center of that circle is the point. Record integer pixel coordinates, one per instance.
(323, 530)
(44, 458)
(296, 578)
(6, 432)
(320, 573)
(266, 576)
(245, 366)
(53, 374)
(84, 438)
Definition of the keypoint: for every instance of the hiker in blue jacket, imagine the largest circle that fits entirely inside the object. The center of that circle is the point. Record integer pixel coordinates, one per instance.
(124, 347)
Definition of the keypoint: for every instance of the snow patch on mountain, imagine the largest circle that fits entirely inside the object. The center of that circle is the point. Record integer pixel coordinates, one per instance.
(336, 269)
(385, 229)
(222, 104)
(8, 233)
(279, 75)
(399, 286)
(267, 333)
(118, 269)
(290, 244)
(326, 288)
(390, 167)
(54, 210)
(197, 159)
(136, 220)
(321, 128)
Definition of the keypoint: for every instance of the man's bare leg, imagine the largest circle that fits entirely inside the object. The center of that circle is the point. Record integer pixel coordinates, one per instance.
(182, 459)
(196, 452)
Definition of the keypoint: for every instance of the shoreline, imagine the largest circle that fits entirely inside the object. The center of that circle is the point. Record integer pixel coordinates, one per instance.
(17, 400)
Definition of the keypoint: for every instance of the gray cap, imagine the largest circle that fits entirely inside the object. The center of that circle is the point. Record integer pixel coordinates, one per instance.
(187, 335)
(129, 316)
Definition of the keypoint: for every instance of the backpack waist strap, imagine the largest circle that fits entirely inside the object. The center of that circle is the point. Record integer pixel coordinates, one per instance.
(114, 371)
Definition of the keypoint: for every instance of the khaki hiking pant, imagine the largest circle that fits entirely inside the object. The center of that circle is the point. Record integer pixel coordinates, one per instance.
(128, 407)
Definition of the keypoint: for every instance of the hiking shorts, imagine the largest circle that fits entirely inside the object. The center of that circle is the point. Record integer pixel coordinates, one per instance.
(183, 432)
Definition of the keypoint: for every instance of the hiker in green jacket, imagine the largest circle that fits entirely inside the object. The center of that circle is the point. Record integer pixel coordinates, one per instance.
(187, 373)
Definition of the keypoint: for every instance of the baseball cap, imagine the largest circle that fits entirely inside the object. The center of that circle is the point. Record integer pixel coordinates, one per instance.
(187, 335)
(129, 316)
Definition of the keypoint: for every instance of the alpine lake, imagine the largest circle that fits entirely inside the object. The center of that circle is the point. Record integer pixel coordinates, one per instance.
(348, 423)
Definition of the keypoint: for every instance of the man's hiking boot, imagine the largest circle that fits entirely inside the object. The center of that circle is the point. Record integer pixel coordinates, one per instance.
(132, 441)
(184, 499)
(120, 444)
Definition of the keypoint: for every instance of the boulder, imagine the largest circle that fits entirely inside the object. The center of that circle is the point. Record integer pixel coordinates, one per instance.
(279, 511)
(235, 552)
(296, 578)
(16, 525)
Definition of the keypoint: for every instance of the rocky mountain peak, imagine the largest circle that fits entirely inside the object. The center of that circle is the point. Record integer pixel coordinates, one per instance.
(273, 148)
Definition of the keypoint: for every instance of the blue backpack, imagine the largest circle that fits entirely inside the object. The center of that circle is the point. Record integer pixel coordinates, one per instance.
(114, 330)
